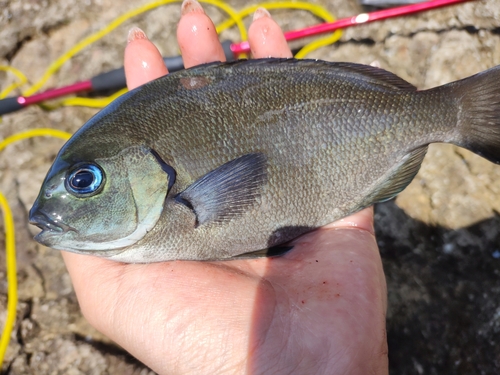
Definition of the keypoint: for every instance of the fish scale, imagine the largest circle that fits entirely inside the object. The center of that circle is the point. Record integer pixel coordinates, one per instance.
(237, 158)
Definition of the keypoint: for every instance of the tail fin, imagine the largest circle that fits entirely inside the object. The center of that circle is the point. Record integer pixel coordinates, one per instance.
(479, 113)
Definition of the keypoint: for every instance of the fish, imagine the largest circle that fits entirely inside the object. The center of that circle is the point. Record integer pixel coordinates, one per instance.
(234, 160)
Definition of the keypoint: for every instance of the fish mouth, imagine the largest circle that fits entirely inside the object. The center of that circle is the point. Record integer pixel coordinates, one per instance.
(48, 225)
(51, 233)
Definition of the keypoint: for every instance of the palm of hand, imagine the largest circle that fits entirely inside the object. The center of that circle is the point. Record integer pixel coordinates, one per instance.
(317, 309)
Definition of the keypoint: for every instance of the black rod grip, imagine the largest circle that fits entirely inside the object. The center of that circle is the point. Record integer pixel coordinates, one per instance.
(9, 105)
(226, 46)
(112, 80)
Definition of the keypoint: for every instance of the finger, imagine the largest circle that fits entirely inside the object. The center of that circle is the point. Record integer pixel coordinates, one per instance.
(266, 38)
(197, 36)
(360, 220)
(143, 61)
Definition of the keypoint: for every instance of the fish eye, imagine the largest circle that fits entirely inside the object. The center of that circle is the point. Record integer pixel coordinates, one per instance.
(85, 180)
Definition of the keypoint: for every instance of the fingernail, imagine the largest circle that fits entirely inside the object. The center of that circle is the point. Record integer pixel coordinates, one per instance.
(135, 33)
(191, 6)
(261, 12)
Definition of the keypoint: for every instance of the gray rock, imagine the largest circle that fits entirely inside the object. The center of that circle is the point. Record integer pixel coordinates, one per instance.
(440, 244)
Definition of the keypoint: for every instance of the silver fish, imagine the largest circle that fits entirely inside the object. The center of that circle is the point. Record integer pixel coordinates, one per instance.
(228, 160)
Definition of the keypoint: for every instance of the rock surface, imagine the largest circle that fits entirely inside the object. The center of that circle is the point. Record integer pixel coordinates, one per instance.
(440, 243)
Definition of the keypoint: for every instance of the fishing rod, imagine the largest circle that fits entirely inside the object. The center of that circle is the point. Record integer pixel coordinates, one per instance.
(115, 79)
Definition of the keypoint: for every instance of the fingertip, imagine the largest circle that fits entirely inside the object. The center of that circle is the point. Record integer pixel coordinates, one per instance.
(266, 38)
(191, 6)
(143, 62)
(259, 13)
(197, 36)
(135, 33)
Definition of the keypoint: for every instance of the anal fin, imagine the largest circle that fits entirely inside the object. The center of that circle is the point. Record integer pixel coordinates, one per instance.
(399, 178)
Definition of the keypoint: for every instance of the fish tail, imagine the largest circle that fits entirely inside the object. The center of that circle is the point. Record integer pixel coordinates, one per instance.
(479, 113)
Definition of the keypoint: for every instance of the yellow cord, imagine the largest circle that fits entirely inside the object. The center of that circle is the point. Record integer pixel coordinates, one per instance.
(10, 243)
(10, 249)
(43, 132)
(20, 76)
(88, 102)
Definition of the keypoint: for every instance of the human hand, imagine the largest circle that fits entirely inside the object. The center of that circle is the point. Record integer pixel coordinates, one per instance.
(319, 309)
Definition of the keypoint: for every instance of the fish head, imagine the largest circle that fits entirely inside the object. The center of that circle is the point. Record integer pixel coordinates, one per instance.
(103, 205)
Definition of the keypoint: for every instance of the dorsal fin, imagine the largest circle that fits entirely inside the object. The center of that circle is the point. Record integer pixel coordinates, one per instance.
(376, 75)
(346, 70)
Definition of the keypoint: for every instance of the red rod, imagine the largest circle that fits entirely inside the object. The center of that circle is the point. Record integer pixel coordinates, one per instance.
(239, 48)
(55, 93)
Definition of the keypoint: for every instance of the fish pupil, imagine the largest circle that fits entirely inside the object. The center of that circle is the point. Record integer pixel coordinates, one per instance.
(82, 179)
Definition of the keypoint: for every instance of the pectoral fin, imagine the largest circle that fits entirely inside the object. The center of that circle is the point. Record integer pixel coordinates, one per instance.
(228, 191)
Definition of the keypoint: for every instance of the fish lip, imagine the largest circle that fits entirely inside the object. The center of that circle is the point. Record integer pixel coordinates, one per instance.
(48, 225)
